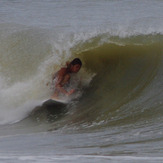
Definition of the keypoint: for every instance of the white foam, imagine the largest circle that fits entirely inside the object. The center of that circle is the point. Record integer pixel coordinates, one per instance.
(19, 99)
(82, 158)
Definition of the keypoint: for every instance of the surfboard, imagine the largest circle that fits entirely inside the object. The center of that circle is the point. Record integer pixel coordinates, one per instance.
(54, 102)
(52, 108)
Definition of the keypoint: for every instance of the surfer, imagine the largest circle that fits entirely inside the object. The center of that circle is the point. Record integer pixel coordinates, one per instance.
(62, 77)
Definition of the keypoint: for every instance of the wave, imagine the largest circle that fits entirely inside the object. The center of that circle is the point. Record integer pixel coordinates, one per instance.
(121, 76)
(127, 86)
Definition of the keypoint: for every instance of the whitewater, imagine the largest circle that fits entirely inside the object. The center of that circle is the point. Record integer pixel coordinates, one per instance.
(116, 114)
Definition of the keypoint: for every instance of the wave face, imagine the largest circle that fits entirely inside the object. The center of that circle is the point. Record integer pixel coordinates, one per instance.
(127, 87)
(121, 76)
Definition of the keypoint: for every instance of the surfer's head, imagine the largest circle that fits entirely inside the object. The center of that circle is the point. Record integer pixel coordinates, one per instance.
(75, 65)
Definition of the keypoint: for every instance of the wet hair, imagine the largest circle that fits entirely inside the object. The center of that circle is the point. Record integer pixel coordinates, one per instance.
(76, 61)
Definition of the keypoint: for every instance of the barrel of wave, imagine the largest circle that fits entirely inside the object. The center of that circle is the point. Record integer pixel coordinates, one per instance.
(122, 73)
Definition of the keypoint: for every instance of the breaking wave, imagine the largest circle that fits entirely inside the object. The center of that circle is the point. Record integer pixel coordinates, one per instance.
(121, 76)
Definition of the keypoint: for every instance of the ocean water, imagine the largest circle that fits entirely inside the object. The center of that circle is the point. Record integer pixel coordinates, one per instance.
(116, 115)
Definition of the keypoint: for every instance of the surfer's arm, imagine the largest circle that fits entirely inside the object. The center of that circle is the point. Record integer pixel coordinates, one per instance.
(61, 89)
(59, 86)
(62, 79)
